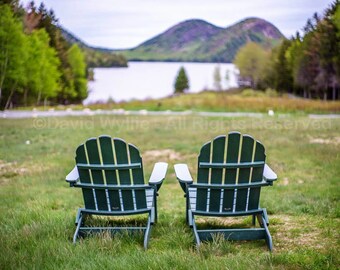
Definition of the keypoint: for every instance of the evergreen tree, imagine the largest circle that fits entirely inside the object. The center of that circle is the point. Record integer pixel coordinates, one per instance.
(311, 61)
(328, 33)
(283, 80)
(182, 82)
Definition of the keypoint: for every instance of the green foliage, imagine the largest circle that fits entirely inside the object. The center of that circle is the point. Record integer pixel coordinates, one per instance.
(12, 56)
(252, 61)
(43, 79)
(36, 63)
(252, 93)
(308, 66)
(182, 82)
(282, 80)
(76, 60)
(96, 58)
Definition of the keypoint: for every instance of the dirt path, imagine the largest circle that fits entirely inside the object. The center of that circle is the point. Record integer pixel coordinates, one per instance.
(69, 112)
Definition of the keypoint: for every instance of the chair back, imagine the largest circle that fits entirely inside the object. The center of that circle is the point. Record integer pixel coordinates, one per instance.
(111, 175)
(230, 169)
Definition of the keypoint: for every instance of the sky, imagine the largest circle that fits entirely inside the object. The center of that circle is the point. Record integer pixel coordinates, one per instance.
(121, 24)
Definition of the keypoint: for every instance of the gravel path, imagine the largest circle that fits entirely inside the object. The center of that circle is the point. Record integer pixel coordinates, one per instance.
(69, 112)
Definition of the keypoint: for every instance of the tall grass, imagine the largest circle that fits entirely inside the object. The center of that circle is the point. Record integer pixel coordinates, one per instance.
(247, 101)
(37, 208)
(223, 101)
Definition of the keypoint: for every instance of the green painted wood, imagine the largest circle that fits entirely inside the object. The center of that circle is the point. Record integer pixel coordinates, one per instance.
(218, 150)
(203, 177)
(121, 213)
(93, 155)
(231, 165)
(228, 214)
(108, 159)
(137, 173)
(203, 173)
(257, 176)
(111, 176)
(113, 187)
(124, 175)
(110, 167)
(230, 173)
(234, 234)
(230, 186)
(137, 177)
(244, 173)
(84, 177)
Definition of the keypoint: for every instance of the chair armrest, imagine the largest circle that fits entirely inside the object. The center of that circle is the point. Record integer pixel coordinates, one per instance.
(268, 174)
(73, 176)
(183, 175)
(158, 174)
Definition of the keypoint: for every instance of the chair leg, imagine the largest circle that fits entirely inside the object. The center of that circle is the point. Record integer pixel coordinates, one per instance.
(155, 205)
(187, 218)
(155, 213)
(147, 233)
(197, 238)
(190, 218)
(78, 216)
(269, 240)
(253, 220)
(79, 223)
(265, 216)
(152, 215)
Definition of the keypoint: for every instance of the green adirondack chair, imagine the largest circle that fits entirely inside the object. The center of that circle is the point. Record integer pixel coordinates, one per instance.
(231, 172)
(110, 173)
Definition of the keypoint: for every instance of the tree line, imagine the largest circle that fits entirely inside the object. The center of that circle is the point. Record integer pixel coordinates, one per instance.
(37, 64)
(306, 65)
(96, 57)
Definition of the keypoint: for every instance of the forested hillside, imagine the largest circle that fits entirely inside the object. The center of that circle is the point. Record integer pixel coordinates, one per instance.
(200, 41)
(94, 56)
(307, 64)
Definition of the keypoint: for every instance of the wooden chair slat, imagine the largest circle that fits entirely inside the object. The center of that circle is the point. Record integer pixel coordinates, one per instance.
(137, 177)
(124, 175)
(218, 154)
(257, 176)
(93, 154)
(233, 146)
(84, 176)
(203, 176)
(244, 173)
(106, 150)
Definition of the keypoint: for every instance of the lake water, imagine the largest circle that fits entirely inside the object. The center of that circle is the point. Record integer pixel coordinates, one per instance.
(142, 80)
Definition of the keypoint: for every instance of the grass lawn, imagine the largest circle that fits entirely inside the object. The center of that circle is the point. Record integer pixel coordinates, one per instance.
(38, 209)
